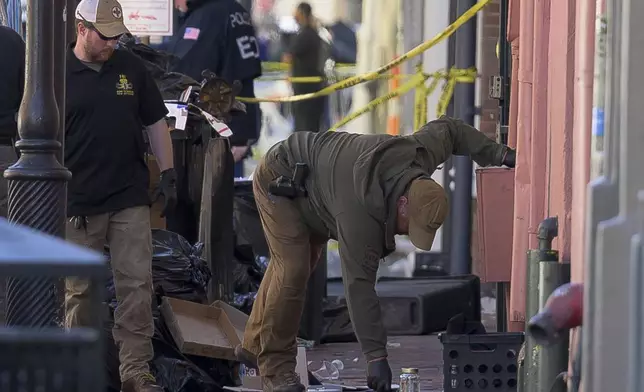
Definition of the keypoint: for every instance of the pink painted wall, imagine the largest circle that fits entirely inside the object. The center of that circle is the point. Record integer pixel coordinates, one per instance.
(584, 76)
(522, 189)
(561, 70)
(552, 107)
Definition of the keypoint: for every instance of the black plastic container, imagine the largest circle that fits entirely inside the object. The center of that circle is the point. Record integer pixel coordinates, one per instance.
(481, 362)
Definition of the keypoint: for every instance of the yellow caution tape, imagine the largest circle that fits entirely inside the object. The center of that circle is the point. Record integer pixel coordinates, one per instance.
(295, 79)
(358, 79)
(418, 82)
(455, 76)
(317, 79)
(412, 83)
(275, 66)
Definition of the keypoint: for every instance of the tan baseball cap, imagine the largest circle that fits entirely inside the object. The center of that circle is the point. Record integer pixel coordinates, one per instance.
(105, 15)
(427, 209)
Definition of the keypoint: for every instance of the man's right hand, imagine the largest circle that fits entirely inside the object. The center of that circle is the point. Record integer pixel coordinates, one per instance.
(379, 375)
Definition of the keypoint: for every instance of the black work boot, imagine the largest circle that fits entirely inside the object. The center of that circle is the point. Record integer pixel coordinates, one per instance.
(141, 383)
(244, 356)
(287, 382)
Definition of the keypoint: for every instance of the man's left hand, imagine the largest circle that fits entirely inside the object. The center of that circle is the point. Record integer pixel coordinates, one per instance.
(239, 152)
(379, 375)
(167, 188)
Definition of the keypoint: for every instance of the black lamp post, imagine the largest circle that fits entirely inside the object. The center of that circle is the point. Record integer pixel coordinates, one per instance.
(37, 181)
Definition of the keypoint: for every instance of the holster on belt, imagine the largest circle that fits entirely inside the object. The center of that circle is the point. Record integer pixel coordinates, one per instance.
(291, 187)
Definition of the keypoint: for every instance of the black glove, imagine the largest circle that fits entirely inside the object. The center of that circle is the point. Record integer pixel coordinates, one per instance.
(379, 375)
(167, 188)
(510, 158)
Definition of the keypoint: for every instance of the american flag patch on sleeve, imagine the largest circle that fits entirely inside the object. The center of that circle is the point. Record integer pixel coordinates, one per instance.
(191, 33)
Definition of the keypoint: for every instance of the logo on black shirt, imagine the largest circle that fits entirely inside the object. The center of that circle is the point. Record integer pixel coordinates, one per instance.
(123, 86)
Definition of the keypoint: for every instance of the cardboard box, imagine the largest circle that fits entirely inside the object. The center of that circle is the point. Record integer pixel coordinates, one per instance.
(200, 329)
(214, 331)
(238, 319)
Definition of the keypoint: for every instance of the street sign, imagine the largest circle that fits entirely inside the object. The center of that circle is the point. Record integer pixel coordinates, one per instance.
(148, 17)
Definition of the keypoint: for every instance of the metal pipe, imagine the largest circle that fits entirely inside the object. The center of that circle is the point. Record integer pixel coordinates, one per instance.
(464, 101)
(547, 231)
(553, 359)
(37, 181)
(529, 368)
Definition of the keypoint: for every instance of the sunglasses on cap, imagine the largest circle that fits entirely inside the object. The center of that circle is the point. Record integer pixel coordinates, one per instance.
(91, 26)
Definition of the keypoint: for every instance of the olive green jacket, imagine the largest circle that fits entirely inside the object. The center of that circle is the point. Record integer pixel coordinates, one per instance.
(354, 183)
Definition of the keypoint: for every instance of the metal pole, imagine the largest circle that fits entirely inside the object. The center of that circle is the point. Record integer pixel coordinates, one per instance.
(505, 69)
(548, 230)
(527, 369)
(553, 359)
(448, 173)
(465, 57)
(37, 180)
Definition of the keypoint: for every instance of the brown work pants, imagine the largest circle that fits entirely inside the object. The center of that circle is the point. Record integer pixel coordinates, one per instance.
(128, 234)
(272, 328)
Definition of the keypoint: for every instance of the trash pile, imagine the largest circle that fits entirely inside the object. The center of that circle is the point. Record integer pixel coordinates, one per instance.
(178, 272)
(251, 250)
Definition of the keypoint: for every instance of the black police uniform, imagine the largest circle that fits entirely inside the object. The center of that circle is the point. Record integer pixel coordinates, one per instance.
(218, 35)
(104, 145)
(12, 77)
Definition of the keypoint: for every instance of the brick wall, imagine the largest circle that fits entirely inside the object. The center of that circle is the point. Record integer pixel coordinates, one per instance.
(489, 66)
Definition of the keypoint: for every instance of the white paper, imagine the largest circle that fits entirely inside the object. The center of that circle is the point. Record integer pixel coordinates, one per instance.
(148, 17)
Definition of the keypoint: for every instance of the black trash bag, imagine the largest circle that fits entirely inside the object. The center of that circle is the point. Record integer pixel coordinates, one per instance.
(248, 277)
(244, 302)
(177, 268)
(243, 280)
(174, 371)
(177, 372)
(247, 224)
(159, 63)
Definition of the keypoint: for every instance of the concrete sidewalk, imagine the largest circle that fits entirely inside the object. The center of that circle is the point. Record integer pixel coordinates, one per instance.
(422, 352)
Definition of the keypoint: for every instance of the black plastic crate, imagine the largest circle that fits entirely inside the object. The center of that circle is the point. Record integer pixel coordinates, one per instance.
(481, 362)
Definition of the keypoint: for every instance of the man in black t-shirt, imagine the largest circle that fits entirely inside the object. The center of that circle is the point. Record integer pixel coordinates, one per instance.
(110, 100)
(305, 54)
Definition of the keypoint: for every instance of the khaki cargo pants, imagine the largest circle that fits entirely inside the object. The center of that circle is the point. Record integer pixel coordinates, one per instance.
(272, 327)
(128, 234)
